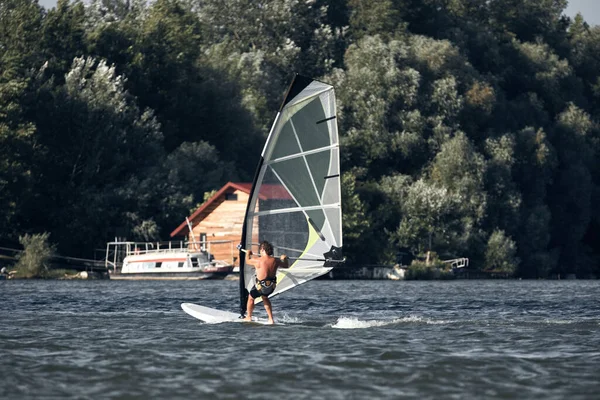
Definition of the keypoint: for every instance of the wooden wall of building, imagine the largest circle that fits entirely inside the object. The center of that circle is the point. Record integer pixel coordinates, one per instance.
(222, 223)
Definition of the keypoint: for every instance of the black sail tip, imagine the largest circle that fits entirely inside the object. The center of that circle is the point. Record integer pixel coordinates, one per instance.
(299, 83)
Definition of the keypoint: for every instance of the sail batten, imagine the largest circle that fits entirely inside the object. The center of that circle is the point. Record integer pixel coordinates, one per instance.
(326, 119)
(295, 209)
(302, 154)
(295, 201)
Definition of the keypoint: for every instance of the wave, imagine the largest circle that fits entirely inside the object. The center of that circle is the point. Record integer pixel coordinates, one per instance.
(287, 319)
(355, 323)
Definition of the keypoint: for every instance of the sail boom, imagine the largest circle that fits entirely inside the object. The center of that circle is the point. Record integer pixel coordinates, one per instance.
(331, 260)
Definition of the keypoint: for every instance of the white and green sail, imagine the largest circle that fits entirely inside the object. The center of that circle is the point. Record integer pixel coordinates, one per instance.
(295, 202)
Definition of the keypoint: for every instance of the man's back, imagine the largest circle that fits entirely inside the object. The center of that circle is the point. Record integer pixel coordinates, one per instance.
(267, 267)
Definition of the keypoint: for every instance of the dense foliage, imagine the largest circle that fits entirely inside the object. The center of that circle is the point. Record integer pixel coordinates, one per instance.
(34, 260)
(469, 128)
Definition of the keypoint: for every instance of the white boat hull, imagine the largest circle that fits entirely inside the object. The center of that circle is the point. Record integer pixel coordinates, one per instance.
(167, 276)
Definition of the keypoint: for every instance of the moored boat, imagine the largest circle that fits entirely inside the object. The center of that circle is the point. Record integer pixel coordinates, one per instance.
(169, 261)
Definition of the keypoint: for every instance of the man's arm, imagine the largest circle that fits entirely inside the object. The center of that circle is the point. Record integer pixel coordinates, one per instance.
(284, 261)
(249, 257)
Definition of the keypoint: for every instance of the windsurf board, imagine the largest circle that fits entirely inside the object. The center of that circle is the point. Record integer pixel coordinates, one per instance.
(214, 316)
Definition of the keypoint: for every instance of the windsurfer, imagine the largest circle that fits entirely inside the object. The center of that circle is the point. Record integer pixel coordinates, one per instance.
(266, 278)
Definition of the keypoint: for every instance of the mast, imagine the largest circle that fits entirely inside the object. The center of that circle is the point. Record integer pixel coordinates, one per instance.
(242, 254)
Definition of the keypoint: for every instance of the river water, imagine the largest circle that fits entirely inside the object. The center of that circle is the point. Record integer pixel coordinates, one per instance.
(335, 340)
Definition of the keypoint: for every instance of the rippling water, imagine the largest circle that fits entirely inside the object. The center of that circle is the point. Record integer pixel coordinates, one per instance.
(335, 340)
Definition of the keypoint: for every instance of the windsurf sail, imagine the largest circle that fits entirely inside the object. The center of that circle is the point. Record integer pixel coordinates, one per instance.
(295, 201)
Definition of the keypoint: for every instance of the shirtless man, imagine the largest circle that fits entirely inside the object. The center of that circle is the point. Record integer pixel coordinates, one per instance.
(266, 278)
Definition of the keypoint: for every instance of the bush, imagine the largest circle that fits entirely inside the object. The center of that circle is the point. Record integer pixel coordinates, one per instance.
(419, 270)
(33, 262)
(501, 253)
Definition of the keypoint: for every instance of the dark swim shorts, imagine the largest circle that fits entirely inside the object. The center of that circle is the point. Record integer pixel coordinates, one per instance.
(263, 288)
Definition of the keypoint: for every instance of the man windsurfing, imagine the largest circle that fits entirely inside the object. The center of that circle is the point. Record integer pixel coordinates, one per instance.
(266, 278)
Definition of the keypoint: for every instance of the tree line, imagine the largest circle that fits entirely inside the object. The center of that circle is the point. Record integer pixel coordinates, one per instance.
(468, 127)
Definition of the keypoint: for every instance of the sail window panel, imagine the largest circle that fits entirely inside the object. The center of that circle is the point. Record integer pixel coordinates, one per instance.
(271, 204)
(274, 194)
(319, 168)
(252, 239)
(286, 144)
(314, 135)
(295, 176)
(288, 233)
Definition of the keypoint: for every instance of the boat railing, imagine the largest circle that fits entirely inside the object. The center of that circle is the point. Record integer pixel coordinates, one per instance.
(458, 262)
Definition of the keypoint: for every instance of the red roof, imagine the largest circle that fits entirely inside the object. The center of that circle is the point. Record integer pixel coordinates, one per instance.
(267, 192)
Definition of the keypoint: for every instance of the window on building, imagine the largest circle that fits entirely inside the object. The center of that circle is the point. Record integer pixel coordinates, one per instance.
(203, 241)
(231, 196)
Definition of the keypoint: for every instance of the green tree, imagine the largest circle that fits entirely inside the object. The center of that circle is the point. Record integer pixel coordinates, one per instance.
(162, 50)
(530, 19)
(372, 119)
(534, 240)
(20, 23)
(92, 138)
(257, 45)
(369, 18)
(164, 72)
(535, 165)
(16, 144)
(571, 191)
(429, 212)
(585, 59)
(113, 29)
(175, 187)
(542, 71)
(34, 261)
(355, 226)
(63, 37)
(504, 197)
(501, 253)
(461, 169)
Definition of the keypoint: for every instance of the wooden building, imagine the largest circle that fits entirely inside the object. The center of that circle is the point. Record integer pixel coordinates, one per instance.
(219, 221)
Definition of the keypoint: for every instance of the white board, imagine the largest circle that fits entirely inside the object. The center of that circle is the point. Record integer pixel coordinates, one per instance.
(214, 316)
